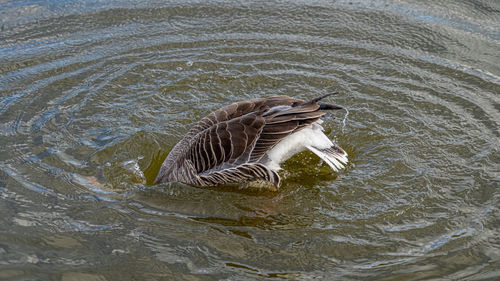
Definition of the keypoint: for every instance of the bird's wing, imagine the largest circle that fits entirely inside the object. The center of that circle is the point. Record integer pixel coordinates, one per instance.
(226, 146)
(239, 173)
(282, 121)
(239, 109)
(230, 137)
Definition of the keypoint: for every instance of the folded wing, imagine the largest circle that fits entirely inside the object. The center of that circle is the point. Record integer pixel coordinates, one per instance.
(229, 144)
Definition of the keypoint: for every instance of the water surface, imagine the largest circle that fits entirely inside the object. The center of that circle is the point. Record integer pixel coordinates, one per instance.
(94, 94)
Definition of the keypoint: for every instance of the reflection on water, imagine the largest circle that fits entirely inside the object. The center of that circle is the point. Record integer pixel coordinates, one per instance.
(94, 95)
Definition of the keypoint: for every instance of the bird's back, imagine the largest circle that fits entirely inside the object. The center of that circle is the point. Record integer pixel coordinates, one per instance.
(230, 144)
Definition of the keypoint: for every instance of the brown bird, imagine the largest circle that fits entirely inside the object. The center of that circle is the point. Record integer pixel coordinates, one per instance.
(248, 140)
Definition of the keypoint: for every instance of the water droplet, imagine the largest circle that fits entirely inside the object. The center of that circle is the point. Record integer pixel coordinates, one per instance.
(345, 119)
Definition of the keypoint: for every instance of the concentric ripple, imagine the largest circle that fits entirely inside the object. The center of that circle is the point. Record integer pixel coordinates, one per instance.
(94, 95)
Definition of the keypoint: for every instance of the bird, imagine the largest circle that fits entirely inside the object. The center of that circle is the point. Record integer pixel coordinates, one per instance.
(248, 140)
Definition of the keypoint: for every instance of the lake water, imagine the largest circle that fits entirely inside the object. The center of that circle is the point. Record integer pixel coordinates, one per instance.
(94, 94)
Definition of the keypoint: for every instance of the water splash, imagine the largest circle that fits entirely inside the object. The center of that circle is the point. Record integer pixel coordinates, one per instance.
(345, 119)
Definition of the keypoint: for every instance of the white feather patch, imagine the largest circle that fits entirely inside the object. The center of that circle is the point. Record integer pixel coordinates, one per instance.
(312, 138)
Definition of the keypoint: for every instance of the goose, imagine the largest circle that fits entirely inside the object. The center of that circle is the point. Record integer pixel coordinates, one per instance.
(248, 140)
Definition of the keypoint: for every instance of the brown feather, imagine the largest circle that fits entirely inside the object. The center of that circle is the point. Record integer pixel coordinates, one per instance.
(227, 145)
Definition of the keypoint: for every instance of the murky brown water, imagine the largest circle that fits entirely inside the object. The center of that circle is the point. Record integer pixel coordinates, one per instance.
(94, 94)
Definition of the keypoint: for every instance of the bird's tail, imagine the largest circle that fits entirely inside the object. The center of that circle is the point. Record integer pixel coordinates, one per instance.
(334, 156)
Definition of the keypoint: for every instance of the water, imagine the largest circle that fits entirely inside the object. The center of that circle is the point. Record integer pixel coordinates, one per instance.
(94, 94)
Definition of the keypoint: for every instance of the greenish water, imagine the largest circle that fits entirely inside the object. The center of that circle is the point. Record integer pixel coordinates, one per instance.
(94, 94)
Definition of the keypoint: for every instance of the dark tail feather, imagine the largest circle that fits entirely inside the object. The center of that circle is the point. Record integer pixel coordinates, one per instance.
(323, 106)
(321, 97)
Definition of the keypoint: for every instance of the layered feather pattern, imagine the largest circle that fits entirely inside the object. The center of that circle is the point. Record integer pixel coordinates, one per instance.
(235, 143)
